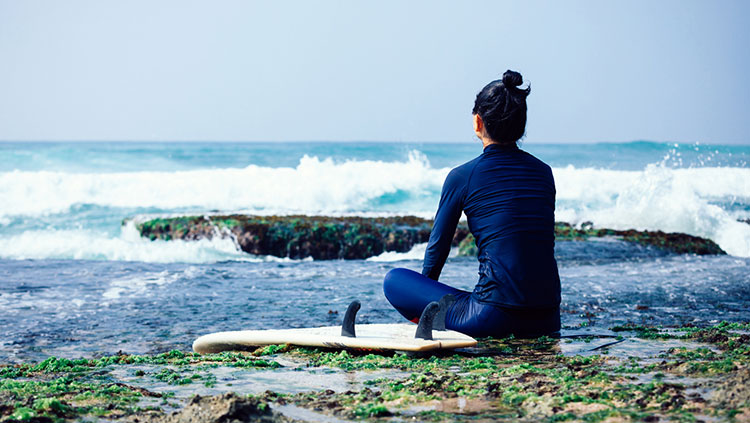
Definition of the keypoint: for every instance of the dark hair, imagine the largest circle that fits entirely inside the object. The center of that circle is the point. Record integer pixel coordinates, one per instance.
(502, 107)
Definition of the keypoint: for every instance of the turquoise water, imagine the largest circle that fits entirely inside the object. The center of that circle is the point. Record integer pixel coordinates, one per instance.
(75, 280)
(171, 156)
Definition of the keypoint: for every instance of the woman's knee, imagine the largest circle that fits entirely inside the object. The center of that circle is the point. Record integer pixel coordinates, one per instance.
(393, 280)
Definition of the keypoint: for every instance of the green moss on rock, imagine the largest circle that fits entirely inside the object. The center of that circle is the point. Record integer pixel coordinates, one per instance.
(326, 238)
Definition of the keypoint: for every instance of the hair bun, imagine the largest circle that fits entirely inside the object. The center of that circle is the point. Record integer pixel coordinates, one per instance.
(512, 79)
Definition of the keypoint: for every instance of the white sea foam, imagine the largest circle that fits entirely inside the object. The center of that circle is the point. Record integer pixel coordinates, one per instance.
(317, 186)
(138, 286)
(659, 198)
(416, 253)
(128, 246)
(689, 200)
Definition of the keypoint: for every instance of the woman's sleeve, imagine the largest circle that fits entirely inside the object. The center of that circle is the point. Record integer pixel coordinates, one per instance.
(446, 220)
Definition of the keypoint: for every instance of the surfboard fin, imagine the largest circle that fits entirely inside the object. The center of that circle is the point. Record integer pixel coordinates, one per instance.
(424, 329)
(347, 327)
(446, 301)
(433, 317)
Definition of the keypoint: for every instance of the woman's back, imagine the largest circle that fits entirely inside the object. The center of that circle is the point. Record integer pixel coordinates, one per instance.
(509, 191)
(508, 196)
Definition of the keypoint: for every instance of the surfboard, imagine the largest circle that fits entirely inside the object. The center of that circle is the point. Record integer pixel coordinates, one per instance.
(398, 336)
(430, 334)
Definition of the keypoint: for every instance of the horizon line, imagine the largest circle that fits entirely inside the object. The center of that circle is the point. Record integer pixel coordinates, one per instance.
(196, 141)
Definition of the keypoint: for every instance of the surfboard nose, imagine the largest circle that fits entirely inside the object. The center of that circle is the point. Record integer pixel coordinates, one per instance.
(200, 346)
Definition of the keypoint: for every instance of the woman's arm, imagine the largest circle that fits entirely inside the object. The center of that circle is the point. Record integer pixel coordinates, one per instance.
(446, 220)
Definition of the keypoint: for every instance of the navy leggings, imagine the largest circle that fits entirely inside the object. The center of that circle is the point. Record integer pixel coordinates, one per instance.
(410, 292)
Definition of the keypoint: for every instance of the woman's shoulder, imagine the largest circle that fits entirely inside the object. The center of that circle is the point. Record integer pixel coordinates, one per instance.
(535, 161)
(459, 176)
(464, 171)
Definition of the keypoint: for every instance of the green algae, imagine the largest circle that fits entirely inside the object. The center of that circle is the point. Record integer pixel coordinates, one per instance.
(271, 349)
(542, 384)
(61, 388)
(501, 379)
(352, 361)
(66, 397)
(468, 247)
(178, 358)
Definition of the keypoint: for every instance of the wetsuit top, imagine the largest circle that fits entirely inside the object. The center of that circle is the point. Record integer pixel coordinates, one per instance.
(508, 196)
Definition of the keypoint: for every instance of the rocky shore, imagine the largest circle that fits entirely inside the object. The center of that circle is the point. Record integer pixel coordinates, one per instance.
(327, 238)
(619, 374)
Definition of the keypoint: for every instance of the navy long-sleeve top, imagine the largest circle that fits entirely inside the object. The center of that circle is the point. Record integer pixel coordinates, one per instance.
(508, 196)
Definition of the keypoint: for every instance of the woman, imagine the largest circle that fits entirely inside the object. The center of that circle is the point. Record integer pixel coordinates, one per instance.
(508, 197)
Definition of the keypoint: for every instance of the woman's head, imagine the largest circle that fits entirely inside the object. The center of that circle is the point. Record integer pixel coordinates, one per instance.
(501, 105)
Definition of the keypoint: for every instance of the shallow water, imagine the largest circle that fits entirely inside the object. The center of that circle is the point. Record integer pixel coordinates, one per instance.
(76, 308)
(285, 380)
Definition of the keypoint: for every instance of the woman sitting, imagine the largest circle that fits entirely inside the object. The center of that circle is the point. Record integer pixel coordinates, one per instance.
(508, 197)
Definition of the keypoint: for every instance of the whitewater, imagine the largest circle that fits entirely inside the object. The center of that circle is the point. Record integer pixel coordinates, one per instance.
(76, 207)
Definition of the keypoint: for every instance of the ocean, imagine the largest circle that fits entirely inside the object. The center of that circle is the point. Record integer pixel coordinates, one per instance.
(76, 279)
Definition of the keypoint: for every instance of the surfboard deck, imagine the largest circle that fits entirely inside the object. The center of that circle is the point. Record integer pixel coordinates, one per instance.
(399, 337)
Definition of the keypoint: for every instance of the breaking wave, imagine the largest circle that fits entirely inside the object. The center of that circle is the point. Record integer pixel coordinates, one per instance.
(314, 186)
(703, 201)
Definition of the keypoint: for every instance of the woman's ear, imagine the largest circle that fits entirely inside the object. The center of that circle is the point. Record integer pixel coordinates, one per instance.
(478, 125)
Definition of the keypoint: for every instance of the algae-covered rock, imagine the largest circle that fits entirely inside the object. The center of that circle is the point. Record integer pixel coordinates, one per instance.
(674, 242)
(319, 237)
(644, 373)
(225, 408)
(326, 238)
(468, 246)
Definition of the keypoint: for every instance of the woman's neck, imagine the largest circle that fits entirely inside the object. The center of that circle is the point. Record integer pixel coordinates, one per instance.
(497, 145)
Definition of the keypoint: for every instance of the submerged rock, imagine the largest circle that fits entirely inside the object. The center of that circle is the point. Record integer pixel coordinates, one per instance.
(326, 238)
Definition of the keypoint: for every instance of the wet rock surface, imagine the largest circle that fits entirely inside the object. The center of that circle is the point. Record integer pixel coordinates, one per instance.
(734, 391)
(624, 373)
(296, 237)
(225, 408)
(326, 238)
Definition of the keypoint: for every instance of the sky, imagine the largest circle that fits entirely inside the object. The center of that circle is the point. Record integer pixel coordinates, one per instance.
(600, 71)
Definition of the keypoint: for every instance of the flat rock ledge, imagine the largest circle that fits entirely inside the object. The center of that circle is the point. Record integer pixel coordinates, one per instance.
(349, 238)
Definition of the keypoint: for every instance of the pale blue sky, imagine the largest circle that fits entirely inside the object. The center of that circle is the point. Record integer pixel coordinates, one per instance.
(385, 70)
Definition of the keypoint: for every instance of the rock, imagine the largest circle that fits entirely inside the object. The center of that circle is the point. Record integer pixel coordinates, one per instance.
(673, 242)
(468, 247)
(327, 238)
(225, 408)
(734, 391)
(319, 237)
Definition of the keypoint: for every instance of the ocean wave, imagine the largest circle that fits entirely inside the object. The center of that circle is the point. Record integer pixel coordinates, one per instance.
(703, 201)
(128, 246)
(314, 186)
(659, 198)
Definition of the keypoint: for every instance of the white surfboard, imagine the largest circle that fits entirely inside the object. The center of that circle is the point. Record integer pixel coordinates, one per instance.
(369, 337)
